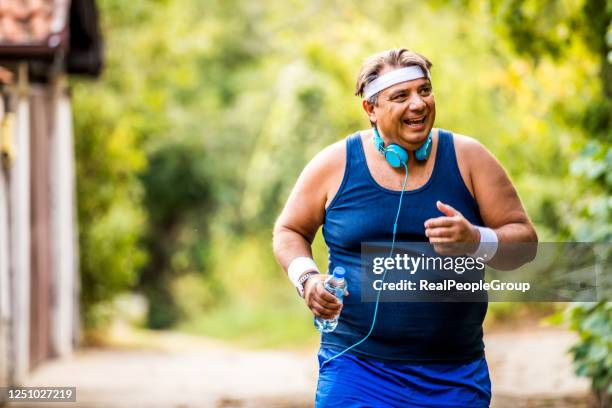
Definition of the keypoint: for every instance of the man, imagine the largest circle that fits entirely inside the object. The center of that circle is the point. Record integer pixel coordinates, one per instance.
(415, 354)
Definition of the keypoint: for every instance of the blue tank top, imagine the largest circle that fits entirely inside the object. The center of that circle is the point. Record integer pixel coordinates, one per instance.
(364, 211)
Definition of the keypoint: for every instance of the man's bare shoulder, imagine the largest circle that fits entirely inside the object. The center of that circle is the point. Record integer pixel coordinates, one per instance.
(323, 175)
(479, 161)
(471, 149)
(329, 160)
(467, 143)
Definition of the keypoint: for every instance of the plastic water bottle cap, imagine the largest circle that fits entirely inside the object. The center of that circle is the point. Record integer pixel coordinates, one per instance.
(339, 272)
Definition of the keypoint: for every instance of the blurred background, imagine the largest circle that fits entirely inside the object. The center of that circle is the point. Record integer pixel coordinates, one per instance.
(148, 146)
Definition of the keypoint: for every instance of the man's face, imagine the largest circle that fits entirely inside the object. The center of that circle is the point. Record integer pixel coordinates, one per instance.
(405, 112)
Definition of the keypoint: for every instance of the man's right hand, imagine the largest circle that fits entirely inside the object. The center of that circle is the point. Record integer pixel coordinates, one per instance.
(322, 303)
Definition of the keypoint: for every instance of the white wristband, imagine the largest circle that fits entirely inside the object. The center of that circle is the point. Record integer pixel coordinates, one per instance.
(488, 244)
(298, 267)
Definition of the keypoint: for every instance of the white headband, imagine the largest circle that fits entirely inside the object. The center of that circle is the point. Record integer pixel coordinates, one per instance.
(392, 78)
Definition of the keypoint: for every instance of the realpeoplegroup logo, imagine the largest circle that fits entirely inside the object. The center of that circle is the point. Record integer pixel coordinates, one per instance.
(450, 285)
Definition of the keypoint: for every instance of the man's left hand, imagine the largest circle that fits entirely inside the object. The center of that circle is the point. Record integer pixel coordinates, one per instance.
(451, 234)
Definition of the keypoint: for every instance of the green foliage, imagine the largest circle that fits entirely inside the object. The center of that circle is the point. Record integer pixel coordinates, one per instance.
(259, 307)
(593, 354)
(109, 216)
(592, 215)
(178, 201)
(176, 182)
(194, 295)
(262, 326)
(562, 27)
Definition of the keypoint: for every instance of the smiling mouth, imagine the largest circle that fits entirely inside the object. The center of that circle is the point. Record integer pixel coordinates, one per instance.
(415, 121)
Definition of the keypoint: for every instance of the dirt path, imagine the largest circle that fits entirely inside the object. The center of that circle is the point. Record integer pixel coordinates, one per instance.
(531, 369)
(528, 369)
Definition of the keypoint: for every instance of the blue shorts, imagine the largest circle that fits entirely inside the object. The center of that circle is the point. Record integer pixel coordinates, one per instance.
(350, 381)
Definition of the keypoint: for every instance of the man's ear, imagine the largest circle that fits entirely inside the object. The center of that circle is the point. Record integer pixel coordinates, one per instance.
(369, 110)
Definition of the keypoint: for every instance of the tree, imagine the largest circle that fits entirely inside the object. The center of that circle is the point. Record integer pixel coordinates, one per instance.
(555, 29)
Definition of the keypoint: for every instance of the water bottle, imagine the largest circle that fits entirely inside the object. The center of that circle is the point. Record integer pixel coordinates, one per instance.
(335, 284)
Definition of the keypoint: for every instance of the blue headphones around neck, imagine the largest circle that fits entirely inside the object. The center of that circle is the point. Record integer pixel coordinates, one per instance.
(396, 155)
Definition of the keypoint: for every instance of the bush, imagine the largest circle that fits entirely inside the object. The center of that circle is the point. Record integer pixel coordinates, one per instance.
(110, 216)
(593, 354)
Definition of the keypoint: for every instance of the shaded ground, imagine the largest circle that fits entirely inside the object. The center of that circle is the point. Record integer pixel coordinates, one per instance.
(528, 369)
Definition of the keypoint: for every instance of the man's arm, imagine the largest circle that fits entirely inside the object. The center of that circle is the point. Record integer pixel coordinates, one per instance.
(302, 216)
(501, 208)
(304, 211)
